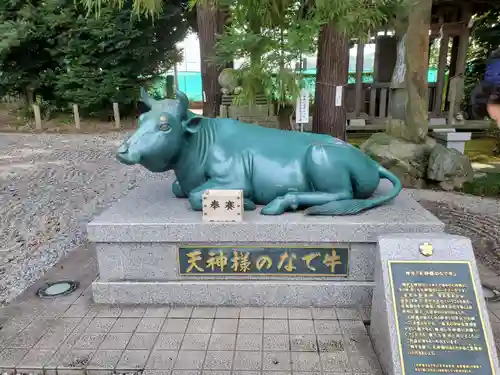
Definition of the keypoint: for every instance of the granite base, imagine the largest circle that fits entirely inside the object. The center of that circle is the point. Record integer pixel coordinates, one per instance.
(236, 293)
(137, 243)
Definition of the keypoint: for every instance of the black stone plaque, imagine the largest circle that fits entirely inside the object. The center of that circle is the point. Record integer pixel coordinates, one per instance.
(439, 323)
(269, 260)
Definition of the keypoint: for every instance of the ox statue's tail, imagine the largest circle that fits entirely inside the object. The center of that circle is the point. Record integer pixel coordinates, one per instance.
(353, 206)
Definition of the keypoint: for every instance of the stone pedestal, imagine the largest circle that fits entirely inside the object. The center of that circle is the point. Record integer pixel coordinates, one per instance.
(138, 240)
(452, 139)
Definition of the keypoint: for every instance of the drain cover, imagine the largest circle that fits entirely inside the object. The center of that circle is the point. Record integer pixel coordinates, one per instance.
(57, 289)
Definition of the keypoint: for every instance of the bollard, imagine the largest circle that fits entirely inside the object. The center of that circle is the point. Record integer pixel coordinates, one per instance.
(76, 114)
(38, 117)
(116, 114)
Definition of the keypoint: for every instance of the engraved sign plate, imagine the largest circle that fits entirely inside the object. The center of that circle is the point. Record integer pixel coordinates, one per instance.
(266, 260)
(439, 325)
(302, 108)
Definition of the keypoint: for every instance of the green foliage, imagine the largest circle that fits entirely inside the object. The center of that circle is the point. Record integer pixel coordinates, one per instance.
(271, 35)
(486, 186)
(66, 57)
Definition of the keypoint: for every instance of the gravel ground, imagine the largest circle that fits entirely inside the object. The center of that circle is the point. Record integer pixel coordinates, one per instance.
(51, 186)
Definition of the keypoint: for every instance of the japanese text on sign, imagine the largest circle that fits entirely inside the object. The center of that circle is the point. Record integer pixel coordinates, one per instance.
(439, 323)
(260, 260)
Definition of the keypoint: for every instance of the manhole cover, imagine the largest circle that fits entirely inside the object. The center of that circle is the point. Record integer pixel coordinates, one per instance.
(57, 289)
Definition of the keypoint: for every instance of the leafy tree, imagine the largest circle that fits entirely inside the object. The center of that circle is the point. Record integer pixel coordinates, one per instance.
(67, 57)
(269, 35)
(210, 22)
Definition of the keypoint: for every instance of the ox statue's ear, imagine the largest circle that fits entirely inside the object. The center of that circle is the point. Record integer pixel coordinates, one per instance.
(192, 125)
(146, 99)
(183, 103)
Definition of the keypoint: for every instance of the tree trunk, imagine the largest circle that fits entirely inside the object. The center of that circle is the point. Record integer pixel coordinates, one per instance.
(331, 71)
(417, 64)
(210, 24)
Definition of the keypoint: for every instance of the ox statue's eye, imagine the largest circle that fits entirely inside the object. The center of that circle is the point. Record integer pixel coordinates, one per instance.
(164, 123)
(164, 127)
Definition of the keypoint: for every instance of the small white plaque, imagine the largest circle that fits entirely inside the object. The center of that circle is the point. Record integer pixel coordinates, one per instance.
(302, 110)
(338, 96)
(223, 205)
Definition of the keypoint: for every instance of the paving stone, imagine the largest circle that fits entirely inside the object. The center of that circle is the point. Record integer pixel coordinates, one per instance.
(303, 361)
(225, 325)
(125, 325)
(248, 373)
(132, 360)
(204, 312)
(162, 360)
(156, 312)
(200, 326)
(279, 326)
(218, 360)
(299, 313)
(347, 313)
(250, 326)
(116, 341)
(303, 343)
(190, 360)
(169, 341)
(175, 325)
(227, 312)
(276, 343)
(150, 325)
(301, 327)
(252, 342)
(326, 327)
(77, 311)
(365, 313)
(195, 341)
(101, 325)
(104, 359)
(109, 312)
(247, 360)
(324, 313)
(219, 372)
(35, 359)
(89, 341)
(189, 372)
(222, 341)
(331, 343)
(334, 361)
(54, 310)
(25, 339)
(9, 358)
(76, 359)
(353, 328)
(276, 361)
(365, 364)
(180, 312)
(275, 313)
(66, 345)
(144, 341)
(252, 313)
(162, 372)
(133, 312)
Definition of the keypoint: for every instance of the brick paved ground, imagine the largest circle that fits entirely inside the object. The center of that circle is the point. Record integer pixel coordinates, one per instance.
(72, 336)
